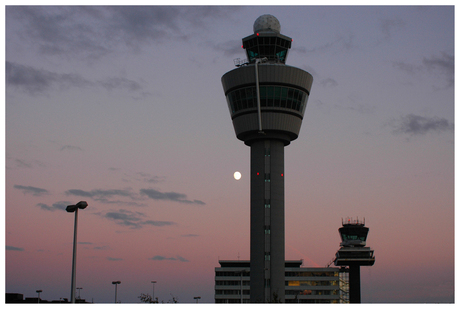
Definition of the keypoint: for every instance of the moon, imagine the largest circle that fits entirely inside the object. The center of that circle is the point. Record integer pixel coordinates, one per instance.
(237, 175)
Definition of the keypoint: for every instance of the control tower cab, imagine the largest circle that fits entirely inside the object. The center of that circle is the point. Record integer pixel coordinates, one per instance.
(353, 234)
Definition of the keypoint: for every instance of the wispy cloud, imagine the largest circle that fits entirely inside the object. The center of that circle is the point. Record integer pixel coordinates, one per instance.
(110, 196)
(179, 258)
(133, 219)
(11, 248)
(114, 259)
(70, 147)
(22, 163)
(125, 217)
(157, 223)
(55, 206)
(390, 26)
(343, 42)
(101, 248)
(164, 258)
(190, 235)
(120, 82)
(95, 31)
(37, 81)
(442, 64)
(328, 82)
(105, 196)
(141, 177)
(99, 193)
(169, 196)
(231, 48)
(418, 125)
(32, 190)
(28, 163)
(146, 177)
(88, 33)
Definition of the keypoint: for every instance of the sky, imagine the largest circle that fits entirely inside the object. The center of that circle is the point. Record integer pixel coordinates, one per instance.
(123, 107)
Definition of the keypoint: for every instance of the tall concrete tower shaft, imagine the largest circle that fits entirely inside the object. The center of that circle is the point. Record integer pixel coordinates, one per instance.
(267, 101)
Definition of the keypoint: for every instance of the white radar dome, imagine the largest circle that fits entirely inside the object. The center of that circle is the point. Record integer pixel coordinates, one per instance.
(267, 22)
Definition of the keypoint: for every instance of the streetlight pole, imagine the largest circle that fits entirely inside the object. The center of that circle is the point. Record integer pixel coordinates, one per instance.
(38, 292)
(79, 290)
(74, 208)
(153, 291)
(197, 297)
(116, 284)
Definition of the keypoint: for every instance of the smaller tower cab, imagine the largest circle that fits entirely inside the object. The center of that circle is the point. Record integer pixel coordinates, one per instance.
(353, 233)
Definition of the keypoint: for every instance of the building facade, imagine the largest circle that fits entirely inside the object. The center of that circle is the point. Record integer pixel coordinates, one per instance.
(302, 284)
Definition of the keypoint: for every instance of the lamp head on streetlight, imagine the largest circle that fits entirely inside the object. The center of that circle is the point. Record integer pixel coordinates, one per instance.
(38, 291)
(82, 204)
(73, 208)
(116, 282)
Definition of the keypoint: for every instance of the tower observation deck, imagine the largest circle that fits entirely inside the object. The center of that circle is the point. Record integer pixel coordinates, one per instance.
(267, 100)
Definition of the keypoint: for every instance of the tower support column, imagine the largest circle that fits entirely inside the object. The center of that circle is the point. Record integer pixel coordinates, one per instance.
(355, 284)
(267, 221)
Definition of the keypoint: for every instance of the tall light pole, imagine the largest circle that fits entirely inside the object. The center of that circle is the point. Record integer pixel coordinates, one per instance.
(79, 290)
(153, 291)
(116, 284)
(197, 297)
(74, 208)
(38, 292)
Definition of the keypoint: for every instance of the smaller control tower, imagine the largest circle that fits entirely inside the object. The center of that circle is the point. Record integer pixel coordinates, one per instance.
(354, 254)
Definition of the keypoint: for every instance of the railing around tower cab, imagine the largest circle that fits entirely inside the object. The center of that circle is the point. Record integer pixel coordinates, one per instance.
(353, 221)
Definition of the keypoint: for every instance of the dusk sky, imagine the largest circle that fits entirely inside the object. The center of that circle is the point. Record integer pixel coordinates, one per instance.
(123, 107)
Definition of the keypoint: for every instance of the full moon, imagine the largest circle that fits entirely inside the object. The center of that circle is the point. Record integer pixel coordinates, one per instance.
(237, 175)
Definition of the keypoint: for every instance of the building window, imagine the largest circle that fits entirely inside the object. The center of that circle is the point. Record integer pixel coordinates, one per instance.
(267, 203)
(267, 177)
(270, 96)
(267, 283)
(267, 229)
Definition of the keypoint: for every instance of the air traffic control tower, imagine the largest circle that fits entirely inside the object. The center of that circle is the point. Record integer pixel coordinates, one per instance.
(354, 254)
(267, 101)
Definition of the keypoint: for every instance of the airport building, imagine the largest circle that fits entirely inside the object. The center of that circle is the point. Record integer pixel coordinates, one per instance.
(302, 284)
